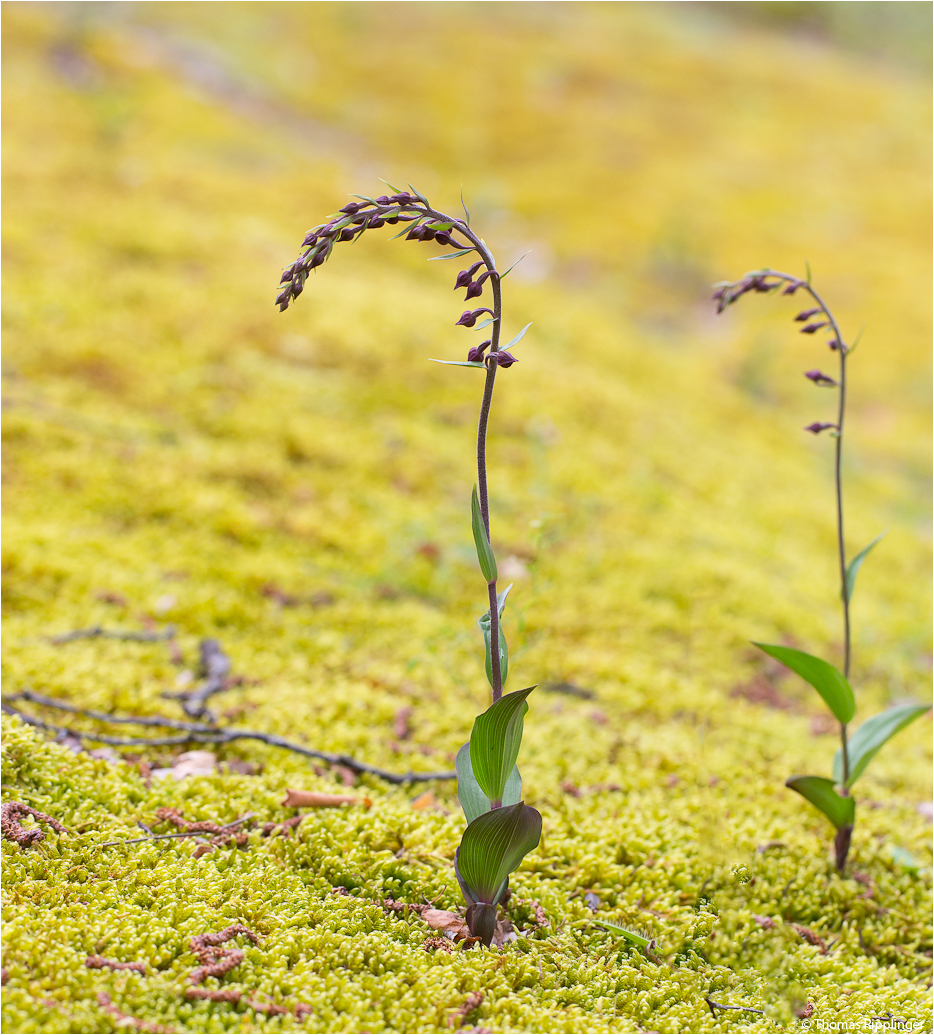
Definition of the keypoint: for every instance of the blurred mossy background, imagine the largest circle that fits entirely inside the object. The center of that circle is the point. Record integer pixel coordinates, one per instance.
(298, 485)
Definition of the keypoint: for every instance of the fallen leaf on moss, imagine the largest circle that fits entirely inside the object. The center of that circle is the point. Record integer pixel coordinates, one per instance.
(319, 800)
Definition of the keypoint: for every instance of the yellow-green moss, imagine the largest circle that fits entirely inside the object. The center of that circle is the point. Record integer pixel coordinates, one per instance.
(170, 438)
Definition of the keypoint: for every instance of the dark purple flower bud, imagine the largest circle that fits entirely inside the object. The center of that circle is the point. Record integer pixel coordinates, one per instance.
(415, 234)
(792, 287)
(402, 198)
(329, 231)
(382, 200)
(427, 233)
(812, 327)
(469, 317)
(818, 378)
(504, 359)
(761, 284)
(297, 287)
(444, 237)
(818, 426)
(474, 290)
(282, 299)
(466, 276)
(310, 239)
(806, 315)
(833, 345)
(287, 276)
(316, 260)
(476, 353)
(393, 219)
(347, 234)
(352, 208)
(374, 222)
(719, 293)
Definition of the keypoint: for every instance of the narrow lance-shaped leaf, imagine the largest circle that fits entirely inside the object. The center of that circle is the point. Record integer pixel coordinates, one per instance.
(518, 338)
(495, 740)
(485, 628)
(633, 937)
(459, 363)
(494, 845)
(871, 736)
(450, 255)
(470, 794)
(484, 550)
(820, 792)
(828, 681)
(852, 569)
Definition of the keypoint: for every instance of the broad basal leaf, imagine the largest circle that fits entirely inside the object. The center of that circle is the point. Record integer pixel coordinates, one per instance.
(828, 681)
(484, 550)
(494, 845)
(853, 567)
(495, 740)
(470, 794)
(821, 793)
(870, 737)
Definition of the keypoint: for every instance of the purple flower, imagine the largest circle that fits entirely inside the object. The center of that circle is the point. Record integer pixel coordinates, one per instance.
(316, 260)
(792, 287)
(474, 290)
(352, 208)
(282, 299)
(465, 276)
(347, 234)
(402, 198)
(833, 345)
(469, 316)
(818, 426)
(444, 237)
(287, 275)
(476, 353)
(806, 315)
(504, 359)
(382, 200)
(818, 378)
(812, 327)
(311, 238)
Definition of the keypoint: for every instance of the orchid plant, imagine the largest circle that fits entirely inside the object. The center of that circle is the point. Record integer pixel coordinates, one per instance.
(832, 796)
(501, 828)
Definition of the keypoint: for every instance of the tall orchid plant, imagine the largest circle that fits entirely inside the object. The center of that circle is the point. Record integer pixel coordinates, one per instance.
(501, 828)
(832, 796)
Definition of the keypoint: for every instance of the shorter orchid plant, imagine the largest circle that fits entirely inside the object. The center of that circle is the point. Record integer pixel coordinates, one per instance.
(832, 796)
(501, 828)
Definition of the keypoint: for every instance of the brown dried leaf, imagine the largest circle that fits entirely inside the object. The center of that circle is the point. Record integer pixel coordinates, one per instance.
(318, 800)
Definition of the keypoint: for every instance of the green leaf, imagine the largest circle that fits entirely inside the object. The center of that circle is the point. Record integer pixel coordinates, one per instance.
(408, 226)
(484, 550)
(421, 197)
(469, 793)
(459, 363)
(484, 624)
(464, 206)
(633, 937)
(395, 190)
(513, 266)
(902, 857)
(494, 845)
(821, 793)
(518, 337)
(451, 255)
(495, 740)
(853, 567)
(484, 323)
(871, 736)
(828, 681)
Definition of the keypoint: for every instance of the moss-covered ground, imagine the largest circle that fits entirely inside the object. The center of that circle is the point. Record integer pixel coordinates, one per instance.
(297, 487)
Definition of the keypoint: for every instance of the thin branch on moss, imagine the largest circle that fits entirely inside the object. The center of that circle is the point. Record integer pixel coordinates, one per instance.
(714, 1006)
(201, 734)
(98, 632)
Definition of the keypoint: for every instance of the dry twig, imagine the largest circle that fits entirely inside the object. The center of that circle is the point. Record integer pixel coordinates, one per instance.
(201, 733)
